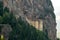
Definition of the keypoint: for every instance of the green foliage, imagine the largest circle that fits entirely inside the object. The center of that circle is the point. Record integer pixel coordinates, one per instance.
(1, 8)
(6, 9)
(20, 30)
(1, 19)
(58, 39)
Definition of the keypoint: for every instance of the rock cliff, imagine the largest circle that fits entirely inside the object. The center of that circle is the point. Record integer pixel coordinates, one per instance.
(5, 30)
(35, 10)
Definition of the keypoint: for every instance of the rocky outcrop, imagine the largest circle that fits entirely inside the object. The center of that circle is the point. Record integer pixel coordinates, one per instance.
(5, 30)
(35, 10)
(50, 27)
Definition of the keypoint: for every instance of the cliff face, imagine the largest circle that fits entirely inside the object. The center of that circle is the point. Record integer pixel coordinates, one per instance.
(35, 10)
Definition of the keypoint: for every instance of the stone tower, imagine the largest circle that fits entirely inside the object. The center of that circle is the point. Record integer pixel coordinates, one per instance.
(39, 13)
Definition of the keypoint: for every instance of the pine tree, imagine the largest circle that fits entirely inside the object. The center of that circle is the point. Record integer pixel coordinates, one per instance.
(1, 8)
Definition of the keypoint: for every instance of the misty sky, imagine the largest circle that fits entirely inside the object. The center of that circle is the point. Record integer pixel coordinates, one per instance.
(56, 4)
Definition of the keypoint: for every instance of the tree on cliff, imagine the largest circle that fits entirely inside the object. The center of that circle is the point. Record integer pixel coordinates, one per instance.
(58, 39)
(20, 30)
(1, 8)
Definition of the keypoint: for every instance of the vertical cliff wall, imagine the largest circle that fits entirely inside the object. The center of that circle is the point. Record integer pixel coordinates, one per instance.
(35, 10)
